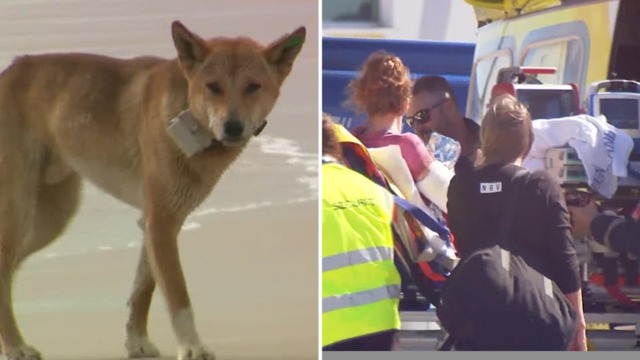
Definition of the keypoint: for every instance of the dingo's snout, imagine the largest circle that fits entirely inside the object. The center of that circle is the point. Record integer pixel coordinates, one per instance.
(233, 129)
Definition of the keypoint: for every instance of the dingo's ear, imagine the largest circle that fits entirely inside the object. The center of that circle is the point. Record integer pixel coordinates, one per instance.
(283, 52)
(191, 48)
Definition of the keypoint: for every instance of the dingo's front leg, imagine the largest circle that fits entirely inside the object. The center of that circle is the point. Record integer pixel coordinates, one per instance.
(162, 228)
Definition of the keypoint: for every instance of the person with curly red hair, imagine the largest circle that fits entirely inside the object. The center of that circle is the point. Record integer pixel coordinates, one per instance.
(383, 90)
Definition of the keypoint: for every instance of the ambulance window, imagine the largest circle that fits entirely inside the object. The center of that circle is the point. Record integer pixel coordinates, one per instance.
(565, 54)
(351, 11)
(483, 78)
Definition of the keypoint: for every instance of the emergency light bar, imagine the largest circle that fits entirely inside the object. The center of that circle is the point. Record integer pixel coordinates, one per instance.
(523, 74)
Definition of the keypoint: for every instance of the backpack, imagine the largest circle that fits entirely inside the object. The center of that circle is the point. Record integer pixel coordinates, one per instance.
(493, 300)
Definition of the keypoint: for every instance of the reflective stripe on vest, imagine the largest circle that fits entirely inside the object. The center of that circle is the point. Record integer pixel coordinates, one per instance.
(333, 303)
(356, 257)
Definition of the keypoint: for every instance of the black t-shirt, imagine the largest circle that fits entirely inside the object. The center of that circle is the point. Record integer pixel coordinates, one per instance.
(540, 232)
(474, 129)
(471, 125)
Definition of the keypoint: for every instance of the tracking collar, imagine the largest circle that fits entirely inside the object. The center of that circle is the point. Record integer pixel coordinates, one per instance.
(187, 133)
(259, 130)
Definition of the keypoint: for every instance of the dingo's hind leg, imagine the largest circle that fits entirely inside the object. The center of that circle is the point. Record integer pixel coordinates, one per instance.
(55, 207)
(13, 344)
(19, 174)
(32, 214)
(138, 344)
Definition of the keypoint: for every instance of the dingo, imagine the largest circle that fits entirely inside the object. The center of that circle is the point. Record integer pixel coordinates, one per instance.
(67, 116)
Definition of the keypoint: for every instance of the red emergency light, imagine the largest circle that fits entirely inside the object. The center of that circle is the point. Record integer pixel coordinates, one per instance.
(538, 70)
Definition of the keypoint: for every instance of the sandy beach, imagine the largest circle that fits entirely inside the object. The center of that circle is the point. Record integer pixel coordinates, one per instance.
(74, 307)
(249, 251)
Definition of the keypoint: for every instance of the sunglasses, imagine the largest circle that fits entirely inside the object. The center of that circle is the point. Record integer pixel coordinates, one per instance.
(422, 116)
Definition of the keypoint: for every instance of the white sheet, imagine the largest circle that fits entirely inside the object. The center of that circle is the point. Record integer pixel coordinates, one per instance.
(603, 149)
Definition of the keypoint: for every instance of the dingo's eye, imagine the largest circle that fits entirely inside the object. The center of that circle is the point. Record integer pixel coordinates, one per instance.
(215, 88)
(253, 87)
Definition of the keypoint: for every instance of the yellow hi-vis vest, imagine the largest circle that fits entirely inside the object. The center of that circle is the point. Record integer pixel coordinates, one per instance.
(360, 283)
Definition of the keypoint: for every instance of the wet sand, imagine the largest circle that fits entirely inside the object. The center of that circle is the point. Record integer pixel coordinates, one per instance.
(249, 251)
(250, 300)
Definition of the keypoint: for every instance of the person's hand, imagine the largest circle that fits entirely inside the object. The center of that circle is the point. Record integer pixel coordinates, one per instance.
(581, 218)
(579, 342)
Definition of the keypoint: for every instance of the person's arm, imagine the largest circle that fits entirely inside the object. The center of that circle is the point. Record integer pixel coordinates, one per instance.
(435, 184)
(616, 232)
(607, 228)
(562, 254)
(430, 176)
(456, 218)
(581, 218)
(579, 342)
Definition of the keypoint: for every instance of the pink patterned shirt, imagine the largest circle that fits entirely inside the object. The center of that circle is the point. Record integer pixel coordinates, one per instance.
(413, 150)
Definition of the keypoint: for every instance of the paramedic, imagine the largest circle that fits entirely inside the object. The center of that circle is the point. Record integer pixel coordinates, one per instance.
(541, 231)
(360, 283)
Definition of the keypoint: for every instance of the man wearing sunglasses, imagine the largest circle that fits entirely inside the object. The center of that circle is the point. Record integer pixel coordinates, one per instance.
(433, 108)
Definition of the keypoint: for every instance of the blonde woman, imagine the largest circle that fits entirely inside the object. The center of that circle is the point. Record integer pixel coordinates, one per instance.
(541, 230)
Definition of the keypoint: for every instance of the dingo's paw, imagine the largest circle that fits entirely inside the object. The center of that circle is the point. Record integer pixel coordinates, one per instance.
(23, 352)
(195, 352)
(141, 347)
